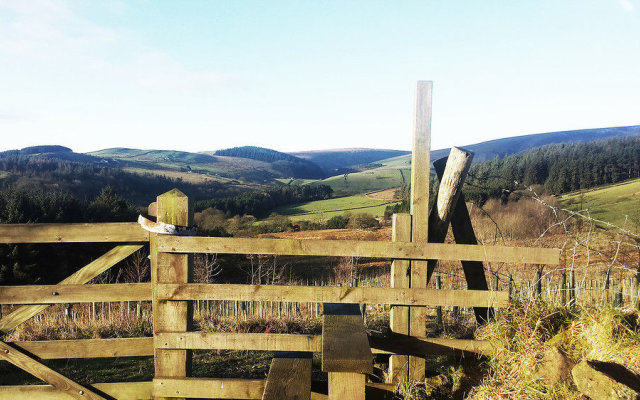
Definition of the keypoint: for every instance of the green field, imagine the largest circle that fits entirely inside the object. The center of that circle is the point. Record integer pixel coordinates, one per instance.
(298, 182)
(325, 209)
(612, 203)
(368, 181)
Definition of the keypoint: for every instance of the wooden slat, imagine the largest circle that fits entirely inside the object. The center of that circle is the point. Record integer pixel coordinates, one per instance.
(313, 343)
(55, 294)
(73, 233)
(358, 248)
(209, 388)
(400, 278)
(41, 371)
(332, 294)
(88, 348)
(239, 341)
(288, 379)
(83, 275)
(120, 391)
(173, 208)
(345, 347)
(420, 174)
(347, 386)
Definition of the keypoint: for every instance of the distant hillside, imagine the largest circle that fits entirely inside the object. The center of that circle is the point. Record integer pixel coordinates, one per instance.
(339, 161)
(154, 156)
(287, 164)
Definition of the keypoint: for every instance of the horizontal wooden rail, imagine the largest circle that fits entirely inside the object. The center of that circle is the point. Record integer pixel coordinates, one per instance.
(52, 294)
(73, 233)
(209, 388)
(358, 248)
(88, 348)
(335, 294)
(120, 391)
(313, 343)
(239, 341)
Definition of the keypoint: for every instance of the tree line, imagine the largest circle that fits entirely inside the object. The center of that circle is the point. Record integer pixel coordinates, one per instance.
(260, 204)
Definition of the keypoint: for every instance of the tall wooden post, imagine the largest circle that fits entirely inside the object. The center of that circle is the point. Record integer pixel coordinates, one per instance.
(400, 278)
(173, 208)
(420, 170)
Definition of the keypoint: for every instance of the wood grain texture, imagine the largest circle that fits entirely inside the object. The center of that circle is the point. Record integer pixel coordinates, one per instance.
(84, 275)
(73, 233)
(120, 391)
(288, 378)
(420, 176)
(88, 348)
(463, 233)
(345, 347)
(208, 388)
(56, 294)
(332, 294)
(173, 207)
(41, 371)
(346, 386)
(357, 248)
(400, 278)
(239, 341)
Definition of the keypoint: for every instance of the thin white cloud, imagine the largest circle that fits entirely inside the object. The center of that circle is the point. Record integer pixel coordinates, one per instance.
(627, 5)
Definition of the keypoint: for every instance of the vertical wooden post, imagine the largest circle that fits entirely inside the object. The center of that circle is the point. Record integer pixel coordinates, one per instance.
(400, 278)
(420, 171)
(173, 208)
(439, 321)
(563, 289)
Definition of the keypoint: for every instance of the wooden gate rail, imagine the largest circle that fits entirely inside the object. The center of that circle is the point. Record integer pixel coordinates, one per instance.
(357, 248)
(56, 294)
(332, 294)
(106, 232)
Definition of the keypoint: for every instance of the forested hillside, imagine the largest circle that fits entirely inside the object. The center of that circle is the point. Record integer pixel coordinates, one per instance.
(288, 165)
(560, 168)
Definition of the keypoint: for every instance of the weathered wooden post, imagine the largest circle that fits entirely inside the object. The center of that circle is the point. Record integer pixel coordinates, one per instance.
(173, 208)
(563, 289)
(463, 234)
(420, 171)
(439, 321)
(572, 288)
(400, 278)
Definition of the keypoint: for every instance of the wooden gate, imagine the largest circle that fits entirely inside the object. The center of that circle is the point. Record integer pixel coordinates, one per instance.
(347, 351)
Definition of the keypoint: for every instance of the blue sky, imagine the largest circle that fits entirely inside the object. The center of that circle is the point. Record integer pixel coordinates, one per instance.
(300, 75)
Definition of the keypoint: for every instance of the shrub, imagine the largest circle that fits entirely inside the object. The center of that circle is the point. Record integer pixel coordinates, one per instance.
(363, 221)
(337, 222)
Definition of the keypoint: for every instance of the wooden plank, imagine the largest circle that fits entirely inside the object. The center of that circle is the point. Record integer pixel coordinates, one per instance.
(88, 348)
(357, 248)
(208, 388)
(400, 278)
(463, 234)
(313, 343)
(420, 174)
(173, 208)
(419, 347)
(120, 391)
(55, 294)
(332, 294)
(345, 347)
(346, 386)
(289, 378)
(73, 233)
(41, 371)
(239, 341)
(83, 275)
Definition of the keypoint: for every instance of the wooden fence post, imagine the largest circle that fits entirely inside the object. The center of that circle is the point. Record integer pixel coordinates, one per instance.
(400, 278)
(420, 173)
(173, 208)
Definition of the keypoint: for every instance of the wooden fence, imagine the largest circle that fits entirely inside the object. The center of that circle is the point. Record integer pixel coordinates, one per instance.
(346, 349)
(172, 297)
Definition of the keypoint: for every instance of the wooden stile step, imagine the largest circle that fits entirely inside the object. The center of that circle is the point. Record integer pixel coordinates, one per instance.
(289, 377)
(345, 347)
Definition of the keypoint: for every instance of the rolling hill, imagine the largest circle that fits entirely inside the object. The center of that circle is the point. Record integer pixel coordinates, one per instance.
(338, 161)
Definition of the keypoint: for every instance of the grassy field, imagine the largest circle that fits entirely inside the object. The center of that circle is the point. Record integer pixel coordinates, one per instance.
(368, 181)
(325, 209)
(612, 203)
(298, 182)
(185, 176)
